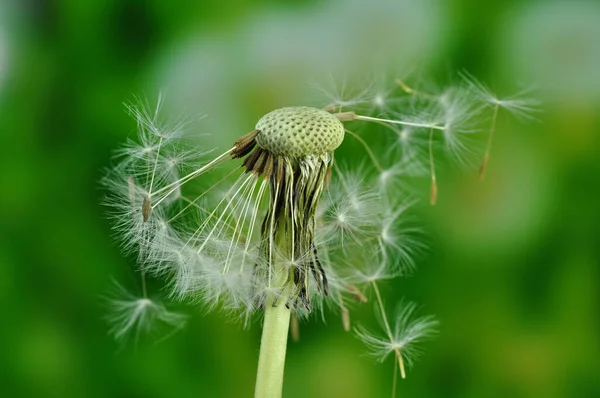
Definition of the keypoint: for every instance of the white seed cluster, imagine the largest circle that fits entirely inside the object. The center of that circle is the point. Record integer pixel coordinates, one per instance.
(299, 131)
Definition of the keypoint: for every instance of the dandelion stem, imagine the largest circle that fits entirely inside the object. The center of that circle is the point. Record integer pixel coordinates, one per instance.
(388, 329)
(273, 343)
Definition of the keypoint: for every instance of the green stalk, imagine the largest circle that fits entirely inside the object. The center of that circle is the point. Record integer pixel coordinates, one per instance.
(273, 344)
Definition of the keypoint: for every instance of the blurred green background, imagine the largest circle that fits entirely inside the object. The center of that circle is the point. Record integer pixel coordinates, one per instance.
(513, 271)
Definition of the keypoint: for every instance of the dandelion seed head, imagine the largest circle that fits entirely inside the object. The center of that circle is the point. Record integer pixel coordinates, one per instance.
(299, 131)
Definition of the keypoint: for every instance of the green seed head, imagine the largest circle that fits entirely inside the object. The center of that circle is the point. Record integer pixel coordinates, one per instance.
(299, 131)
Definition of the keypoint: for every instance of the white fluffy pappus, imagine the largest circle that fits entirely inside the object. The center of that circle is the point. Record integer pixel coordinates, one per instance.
(132, 316)
(400, 338)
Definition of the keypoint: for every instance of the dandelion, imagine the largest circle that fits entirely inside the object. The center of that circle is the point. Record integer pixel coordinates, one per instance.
(274, 225)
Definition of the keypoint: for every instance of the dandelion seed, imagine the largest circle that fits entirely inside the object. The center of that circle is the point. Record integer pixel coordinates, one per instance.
(132, 316)
(518, 105)
(401, 337)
